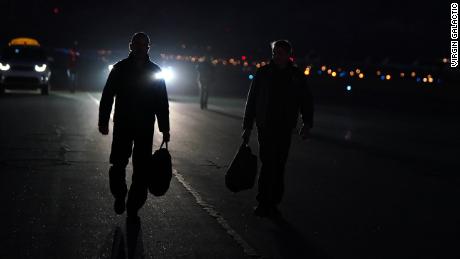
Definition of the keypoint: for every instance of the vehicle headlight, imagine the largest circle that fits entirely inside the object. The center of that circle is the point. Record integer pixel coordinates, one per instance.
(4, 67)
(41, 68)
(166, 74)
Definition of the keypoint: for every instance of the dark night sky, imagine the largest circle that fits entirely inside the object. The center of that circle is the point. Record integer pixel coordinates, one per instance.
(335, 29)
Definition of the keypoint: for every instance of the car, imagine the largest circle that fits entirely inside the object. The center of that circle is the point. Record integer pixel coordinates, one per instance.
(24, 65)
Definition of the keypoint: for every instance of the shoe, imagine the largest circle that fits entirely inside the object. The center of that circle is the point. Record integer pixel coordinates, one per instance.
(265, 211)
(119, 206)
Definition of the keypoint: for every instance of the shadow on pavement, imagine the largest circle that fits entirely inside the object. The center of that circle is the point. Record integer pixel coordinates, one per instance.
(291, 243)
(128, 241)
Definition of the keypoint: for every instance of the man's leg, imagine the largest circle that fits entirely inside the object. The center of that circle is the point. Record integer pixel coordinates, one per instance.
(282, 152)
(142, 153)
(267, 154)
(119, 158)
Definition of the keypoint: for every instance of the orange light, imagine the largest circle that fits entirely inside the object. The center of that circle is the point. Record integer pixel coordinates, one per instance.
(307, 71)
(329, 71)
(352, 73)
(430, 80)
(323, 68)
(334, 74)
(358, 71)
(361, 75)
(413, 74)
(24, 41)
(388, 77)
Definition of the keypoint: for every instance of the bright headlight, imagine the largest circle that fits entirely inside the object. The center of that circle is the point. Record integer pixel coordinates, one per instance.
(110, 67)
(166, 74)
(41, 68)
(4, 67)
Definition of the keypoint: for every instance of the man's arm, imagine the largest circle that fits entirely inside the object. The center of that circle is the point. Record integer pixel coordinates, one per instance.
(105, 105)
(163, 110)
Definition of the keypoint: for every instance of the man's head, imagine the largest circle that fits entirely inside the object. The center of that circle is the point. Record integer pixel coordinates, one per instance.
(140, 44)
(281, 52)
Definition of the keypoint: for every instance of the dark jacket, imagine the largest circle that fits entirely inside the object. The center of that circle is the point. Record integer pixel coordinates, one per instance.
(276, 97)
(139, 96)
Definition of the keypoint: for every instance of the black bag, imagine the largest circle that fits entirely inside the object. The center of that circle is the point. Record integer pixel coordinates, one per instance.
(241, 174)
(161, 171)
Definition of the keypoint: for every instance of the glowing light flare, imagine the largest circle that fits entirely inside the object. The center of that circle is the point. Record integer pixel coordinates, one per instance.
(41, 68)
(361, 75)
(388, 77)
(4, 67)
(166, 74)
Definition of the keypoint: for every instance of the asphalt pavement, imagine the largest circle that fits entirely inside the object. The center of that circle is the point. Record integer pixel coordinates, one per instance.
(368, 184)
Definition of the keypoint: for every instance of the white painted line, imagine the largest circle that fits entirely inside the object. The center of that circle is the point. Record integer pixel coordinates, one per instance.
(94, 99)
(248, 250)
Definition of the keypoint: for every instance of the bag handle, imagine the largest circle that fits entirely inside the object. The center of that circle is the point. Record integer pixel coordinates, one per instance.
(164, 143)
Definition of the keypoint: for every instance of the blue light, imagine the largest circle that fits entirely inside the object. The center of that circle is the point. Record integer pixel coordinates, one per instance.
(418, 80)
(348, 87)
(16, 51)
(320, 72)
(342, 74)
(251, 77)
(382, 77)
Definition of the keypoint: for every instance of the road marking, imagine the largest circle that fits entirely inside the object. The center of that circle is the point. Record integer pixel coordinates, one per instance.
(93, 98)
(247, 249)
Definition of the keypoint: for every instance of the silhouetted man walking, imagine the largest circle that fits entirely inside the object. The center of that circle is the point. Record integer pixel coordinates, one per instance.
(278, 92)
(205, 79)
(140, 94)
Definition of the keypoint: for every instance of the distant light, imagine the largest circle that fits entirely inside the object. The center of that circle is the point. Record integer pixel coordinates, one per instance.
(41, 68)
(166, 74)
(243, 58)
(323, 68)
(251, 77)
(418, 79)
(425, 79)
(4, 67)
(55, 10)
(342, 74)
(307, 71)
(16, 51)
(382, 77)
(245, 63)
(430, 80)
(334, 74)
(348, 87)
(258, 65)
(358, 71)
(110, 67)
(445, 60)
(291, 59)
(329, 71)
(320, 72)
(352, 73)
(378, 72)
(361, 75)
(388, 77)
(429, 76)
(402, 74)
(413, 74)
